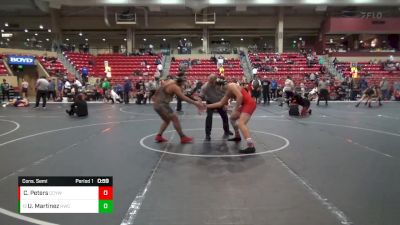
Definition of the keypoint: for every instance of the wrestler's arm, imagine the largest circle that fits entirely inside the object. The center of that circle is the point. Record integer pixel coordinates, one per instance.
(235, 90)
(221, 103)
(178, 92)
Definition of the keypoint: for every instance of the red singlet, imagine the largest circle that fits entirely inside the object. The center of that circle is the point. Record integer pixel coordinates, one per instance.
(248, 103)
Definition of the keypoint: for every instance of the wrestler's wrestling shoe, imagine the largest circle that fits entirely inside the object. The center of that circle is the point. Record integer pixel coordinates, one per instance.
(235, 139)
(160, 138)
(248, 150)
(186, 139)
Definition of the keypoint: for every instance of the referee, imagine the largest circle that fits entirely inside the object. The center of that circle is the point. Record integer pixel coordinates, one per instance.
(212, 93)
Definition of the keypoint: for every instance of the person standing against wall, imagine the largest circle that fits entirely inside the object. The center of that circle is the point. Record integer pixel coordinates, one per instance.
(265, 89)
(323, 92)
(52, 90)
(24, 88)
(5, 90)
(127, 89)
(384, 85)
(42, 87)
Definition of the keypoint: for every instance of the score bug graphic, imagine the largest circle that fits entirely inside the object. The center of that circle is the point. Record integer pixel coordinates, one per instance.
(65, 195)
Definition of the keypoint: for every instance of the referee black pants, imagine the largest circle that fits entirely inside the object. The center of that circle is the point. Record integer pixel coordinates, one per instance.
(209, 118)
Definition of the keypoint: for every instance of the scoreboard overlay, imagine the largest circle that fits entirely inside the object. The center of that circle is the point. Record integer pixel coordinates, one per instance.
(65, 194)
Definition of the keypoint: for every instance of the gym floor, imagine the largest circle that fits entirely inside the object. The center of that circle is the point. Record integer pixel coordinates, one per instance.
(338, 166)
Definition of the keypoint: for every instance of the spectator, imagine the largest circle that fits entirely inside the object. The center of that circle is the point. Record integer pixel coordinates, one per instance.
(5, 89)
(254, 71)
(60, 87)
(85, 74)
(160, 68)
(323, 92)
(77, 86)
(265, 89)
(335, 61)
(105, 86)
(42, 87)
(79, 107)
(67, 87)
(140, 92)
(312, 77)
(256, 89)
(220, 61)
(302, 90)
(119, 90)
(363, 84)
(24, 88)
(52, 90)
(153, 86)
(127, 90)
(221, 71)
(384, 86)
(274, 87)
(288, 89)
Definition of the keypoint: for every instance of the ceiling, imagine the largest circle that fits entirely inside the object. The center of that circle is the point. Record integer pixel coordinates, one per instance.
(26, 8)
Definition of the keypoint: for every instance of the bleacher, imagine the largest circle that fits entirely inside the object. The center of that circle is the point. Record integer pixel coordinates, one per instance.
(3, 70)
(52, 65)
(232, 69)
(121, 65)
(297, 71)
(372, 72)
(80, 60)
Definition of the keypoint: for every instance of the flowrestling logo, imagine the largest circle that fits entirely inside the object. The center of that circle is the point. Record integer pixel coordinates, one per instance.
(21, 60)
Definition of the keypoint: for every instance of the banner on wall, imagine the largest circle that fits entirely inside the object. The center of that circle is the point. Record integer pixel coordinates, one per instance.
(21, 60)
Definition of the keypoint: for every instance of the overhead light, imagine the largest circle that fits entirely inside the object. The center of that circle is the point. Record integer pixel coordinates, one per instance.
(49, 30)
(103, 39)
(47, 39)
(6, 24)
(266, 1)
(67, 39)
(6, 35)
(36, 34)
(2, 30)
(144, 39)
(342, 38)
(316, 2)
(241, 39)
(26, 30)
(164, 39)
(80, 34)
(222, 39)
(41, 26)
(86, 39)
(219, 2)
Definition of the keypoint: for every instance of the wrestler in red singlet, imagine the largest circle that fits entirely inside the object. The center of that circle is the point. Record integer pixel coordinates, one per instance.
(241, 114)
